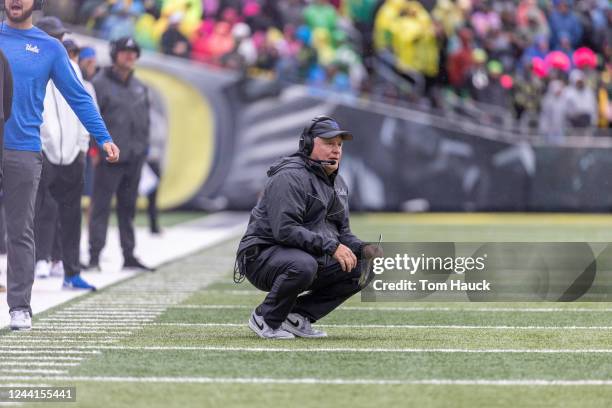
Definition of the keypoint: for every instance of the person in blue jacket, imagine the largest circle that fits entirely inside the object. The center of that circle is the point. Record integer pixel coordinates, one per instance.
(34, 58)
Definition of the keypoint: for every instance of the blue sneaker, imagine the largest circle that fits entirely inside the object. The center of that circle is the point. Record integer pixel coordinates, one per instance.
(76, 282)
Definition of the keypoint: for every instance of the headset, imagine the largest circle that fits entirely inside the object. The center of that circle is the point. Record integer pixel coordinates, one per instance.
(38, 4)
(306, 139)
(114, 48)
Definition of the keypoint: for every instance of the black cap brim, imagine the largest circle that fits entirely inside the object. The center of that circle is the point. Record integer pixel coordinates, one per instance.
(330, 135)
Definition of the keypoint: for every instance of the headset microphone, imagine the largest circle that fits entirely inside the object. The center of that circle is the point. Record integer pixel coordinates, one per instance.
(325, 162)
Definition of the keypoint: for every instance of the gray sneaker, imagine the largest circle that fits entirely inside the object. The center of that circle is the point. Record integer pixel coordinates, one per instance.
(301, 326)
(20, 320)
(261, 328)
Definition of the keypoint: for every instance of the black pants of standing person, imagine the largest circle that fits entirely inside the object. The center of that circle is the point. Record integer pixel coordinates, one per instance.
(152, 200)
(287, 272)
(120, 179)
(59, 198)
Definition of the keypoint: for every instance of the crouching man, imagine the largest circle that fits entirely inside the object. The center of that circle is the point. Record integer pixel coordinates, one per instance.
(299, 240)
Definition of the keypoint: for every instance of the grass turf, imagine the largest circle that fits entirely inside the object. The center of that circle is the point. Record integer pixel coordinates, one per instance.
(168, 366)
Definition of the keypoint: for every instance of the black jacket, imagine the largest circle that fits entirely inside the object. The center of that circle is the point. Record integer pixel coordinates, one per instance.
(125, 109)
(302, 207)
(6, 89)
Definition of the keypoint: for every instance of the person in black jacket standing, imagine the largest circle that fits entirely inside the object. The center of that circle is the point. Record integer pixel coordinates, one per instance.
(124, 105)
(299, 239)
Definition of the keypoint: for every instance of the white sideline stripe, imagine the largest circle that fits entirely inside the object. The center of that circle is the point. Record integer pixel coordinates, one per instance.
(318, 349)
(397, 326)
(331, 381)
(415, 309)
(38, 364)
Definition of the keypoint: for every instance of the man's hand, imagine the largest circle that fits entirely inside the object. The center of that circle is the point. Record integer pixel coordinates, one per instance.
(112, 152)
(345, 257)
(371, 251)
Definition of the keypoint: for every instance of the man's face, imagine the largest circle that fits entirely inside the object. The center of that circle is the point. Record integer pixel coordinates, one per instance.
(328, 149)
(18, 11)
(88, 66)
(126, 59)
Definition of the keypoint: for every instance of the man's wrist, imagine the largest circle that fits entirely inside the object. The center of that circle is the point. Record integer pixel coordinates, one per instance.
(332, 247)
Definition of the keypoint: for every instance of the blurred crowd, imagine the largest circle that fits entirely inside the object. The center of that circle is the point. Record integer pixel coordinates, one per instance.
(546, 61)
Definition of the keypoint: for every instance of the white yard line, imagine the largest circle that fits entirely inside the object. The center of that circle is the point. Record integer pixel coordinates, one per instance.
(397, 326)
(20, 363)
(306, 381)
(51, 348)
(27, 350)
(44, 358)
(419, 309)
(37, 341)
(31, 371)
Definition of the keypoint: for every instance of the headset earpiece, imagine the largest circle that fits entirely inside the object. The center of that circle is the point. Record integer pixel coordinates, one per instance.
(306, 139)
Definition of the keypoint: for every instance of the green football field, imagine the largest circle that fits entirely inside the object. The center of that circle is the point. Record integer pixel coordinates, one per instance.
(178, 338)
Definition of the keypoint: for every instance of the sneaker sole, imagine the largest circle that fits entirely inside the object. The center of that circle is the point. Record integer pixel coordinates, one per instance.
(253, 326)
(21, 328)
(73, 288)
(298, 333)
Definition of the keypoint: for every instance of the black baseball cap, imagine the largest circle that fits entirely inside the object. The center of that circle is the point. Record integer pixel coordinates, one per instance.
(127, 44)
(328, 128)
(52, 26)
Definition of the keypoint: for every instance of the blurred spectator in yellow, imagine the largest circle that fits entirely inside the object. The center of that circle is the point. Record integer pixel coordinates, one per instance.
(450, 15)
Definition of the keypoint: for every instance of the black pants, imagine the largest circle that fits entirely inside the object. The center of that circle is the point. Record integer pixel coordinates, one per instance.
(120, 179)
(287, 272)
(59, 199)
(152, 200)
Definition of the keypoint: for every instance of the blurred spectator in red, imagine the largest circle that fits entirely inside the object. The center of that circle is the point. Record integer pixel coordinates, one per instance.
(173, 42)
(210, 48)
(558, 64)
(461, 61)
